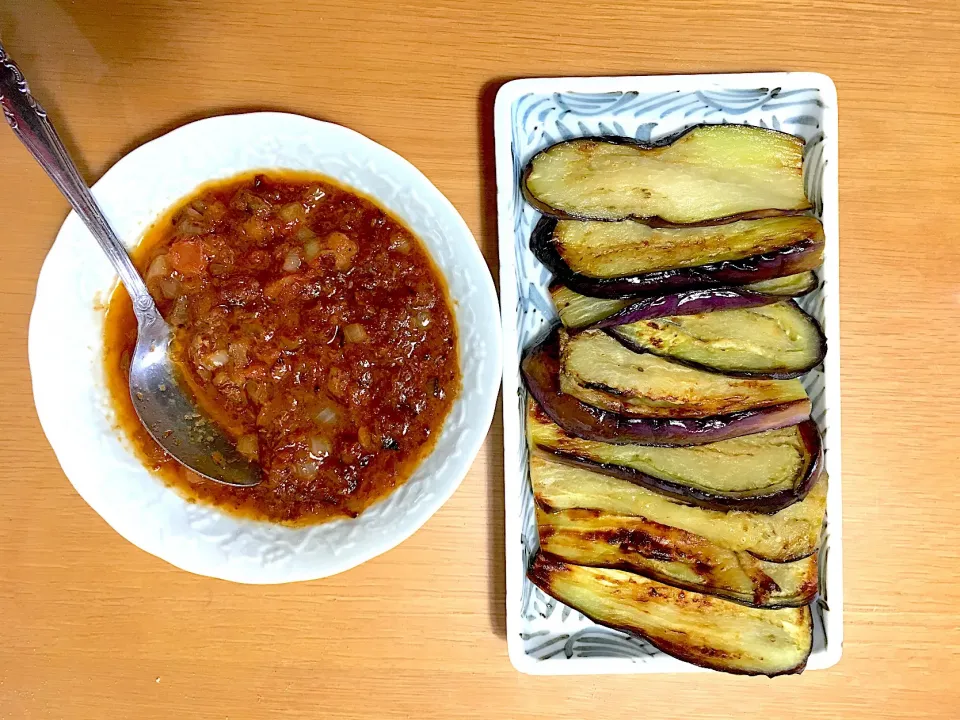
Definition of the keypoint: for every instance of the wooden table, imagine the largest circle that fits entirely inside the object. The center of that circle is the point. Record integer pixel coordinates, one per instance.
(91, 627)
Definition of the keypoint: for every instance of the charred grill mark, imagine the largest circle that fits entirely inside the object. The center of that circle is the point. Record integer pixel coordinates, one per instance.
(639, 541)
(544, 505)
(542, 569)
(606, 388)
(702, 568)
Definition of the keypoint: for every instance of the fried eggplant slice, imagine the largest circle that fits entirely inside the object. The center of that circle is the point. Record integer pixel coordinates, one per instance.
(578, 311)
(620, 249)
(706, 173)
(630, 259)
(675, 557)
(775, 341)
(541, 373)
(788, 535)
(763, 473)
(691, 626)
(598, 370)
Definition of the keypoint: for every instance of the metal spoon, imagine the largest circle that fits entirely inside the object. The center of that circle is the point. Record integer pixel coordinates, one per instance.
(164, 406)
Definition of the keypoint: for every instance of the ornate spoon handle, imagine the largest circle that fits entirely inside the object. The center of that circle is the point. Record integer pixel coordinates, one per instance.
(30, 123)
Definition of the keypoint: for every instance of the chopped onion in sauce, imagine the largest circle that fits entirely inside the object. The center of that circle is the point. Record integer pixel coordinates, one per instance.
(170, 287)
(158, 268)
(216, 359)
(247, 446)
(238, 353)
(291, 262)
(304, 233)
(291, 212)
(179, 315)
(257, 391)
(311, 249)
(255, 229)
(399, 243)
(367, 440)
(258, 204)
(215, 211)
(320, 446)
(343, 249)
(288, 343)
(326, 415)
(189, 227)
(355, 333)
(306, 469)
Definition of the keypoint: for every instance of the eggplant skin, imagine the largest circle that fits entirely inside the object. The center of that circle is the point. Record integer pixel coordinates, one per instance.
(790, 260)
(540, 368)
(579, 312)
(687, 302)
(577, 452)
(675, 557)
(697, 628)
(678, 187)
(806, 327)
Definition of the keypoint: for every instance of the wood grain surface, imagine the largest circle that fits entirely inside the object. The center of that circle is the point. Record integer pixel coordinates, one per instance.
(91, 627)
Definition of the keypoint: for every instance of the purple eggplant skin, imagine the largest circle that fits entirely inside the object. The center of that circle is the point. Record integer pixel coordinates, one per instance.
(767, 504)
(558, 214)
(805, 255)
(687, 302)
(786, 375)
(540, 368)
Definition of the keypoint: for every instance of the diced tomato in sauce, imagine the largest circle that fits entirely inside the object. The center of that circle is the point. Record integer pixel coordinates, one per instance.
(313, 326)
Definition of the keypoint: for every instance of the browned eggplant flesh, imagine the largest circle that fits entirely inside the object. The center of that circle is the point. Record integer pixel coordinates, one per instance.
(675, 557)
(708, 172)
(790, 534)
(629, 259)
(701, 629)
(620, 249)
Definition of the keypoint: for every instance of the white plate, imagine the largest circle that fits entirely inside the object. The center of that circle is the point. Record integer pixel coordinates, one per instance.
(66, 350)
(543, 636)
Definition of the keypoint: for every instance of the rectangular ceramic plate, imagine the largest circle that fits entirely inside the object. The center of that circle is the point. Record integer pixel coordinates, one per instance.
(544, 636)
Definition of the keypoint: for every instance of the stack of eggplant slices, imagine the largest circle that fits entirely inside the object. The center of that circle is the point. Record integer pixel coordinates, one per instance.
(676, 470)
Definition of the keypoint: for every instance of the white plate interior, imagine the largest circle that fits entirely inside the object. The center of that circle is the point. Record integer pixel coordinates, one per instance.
(544, 636)
(66, 350)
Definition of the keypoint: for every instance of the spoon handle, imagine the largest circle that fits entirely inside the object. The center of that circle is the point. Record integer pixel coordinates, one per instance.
(30, 123)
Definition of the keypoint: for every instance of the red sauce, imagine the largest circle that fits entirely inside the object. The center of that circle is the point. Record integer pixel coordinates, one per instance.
(313, 326)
